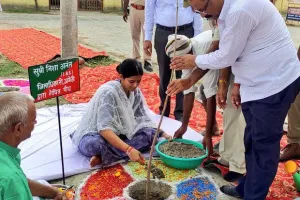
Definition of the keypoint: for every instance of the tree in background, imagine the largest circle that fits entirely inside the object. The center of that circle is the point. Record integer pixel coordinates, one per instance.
(36, 5)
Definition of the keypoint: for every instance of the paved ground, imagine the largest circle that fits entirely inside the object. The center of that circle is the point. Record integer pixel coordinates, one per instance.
(99, 31)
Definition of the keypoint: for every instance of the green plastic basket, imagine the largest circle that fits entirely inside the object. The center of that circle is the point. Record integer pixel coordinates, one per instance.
(181, 163)
(296, 177)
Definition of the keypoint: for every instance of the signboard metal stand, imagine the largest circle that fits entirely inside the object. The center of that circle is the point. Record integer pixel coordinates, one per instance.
(60, 141)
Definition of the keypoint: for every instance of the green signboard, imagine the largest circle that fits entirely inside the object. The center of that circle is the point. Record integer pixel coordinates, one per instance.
(54, 79)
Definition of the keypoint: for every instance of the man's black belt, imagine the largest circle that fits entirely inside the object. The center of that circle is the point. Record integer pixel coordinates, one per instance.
(172, 29)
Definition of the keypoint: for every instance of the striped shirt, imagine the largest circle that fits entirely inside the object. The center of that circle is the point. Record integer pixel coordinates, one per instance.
(256, 43)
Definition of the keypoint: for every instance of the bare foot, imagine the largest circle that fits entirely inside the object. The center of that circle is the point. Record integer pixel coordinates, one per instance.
(95, 160)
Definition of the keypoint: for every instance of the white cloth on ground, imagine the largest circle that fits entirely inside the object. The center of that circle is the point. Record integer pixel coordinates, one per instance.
(41, 158)
(110, 108)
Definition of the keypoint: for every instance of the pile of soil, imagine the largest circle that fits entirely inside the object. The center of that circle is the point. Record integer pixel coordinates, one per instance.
(158, 191)
(141, 195)
(181, 150)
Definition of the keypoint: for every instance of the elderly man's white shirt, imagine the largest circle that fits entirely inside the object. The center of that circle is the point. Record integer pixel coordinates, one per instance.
(200, 45)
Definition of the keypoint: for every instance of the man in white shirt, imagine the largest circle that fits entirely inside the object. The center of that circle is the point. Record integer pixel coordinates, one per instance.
(136, 20)
(256, 43)
(162, 14)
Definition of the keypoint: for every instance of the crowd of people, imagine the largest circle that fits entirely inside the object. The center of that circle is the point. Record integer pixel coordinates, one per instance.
(247, 65)
(258, 84)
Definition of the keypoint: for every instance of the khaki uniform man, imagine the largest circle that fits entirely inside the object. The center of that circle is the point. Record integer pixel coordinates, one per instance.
(136, 20)
(292, 150)
(232, 149)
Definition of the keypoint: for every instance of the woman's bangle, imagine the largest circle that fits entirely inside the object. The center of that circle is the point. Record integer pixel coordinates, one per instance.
(129, 150)
(222, 81)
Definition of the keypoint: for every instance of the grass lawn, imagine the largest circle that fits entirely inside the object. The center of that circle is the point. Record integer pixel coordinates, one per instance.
(104, 61)
(10, 69)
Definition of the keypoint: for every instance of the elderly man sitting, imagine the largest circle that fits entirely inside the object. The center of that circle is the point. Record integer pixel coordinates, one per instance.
(18, 117)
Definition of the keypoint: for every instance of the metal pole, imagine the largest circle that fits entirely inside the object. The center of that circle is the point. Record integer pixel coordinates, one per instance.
(60, 141)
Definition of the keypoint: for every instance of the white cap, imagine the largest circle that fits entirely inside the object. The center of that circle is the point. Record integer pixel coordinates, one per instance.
(183, 45)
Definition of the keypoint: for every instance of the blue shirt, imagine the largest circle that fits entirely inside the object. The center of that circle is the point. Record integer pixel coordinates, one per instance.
(163, 12)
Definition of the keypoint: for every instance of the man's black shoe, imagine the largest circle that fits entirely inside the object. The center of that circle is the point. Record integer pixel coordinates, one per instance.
(148, 67)
(230, 191)
(232, 176)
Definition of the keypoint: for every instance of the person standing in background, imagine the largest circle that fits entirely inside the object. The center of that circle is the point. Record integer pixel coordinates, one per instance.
(292, 149)
(136, 20)
(257, 45)
(231, 148)
(162, 14)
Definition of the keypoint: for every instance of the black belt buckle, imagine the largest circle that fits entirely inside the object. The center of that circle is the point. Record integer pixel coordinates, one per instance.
(183, 27)
(180, 28)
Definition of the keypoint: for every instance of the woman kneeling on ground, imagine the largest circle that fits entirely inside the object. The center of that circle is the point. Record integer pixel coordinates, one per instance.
(115, 125)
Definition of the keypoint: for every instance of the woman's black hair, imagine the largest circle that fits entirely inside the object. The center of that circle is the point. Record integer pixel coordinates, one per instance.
(130, 67)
